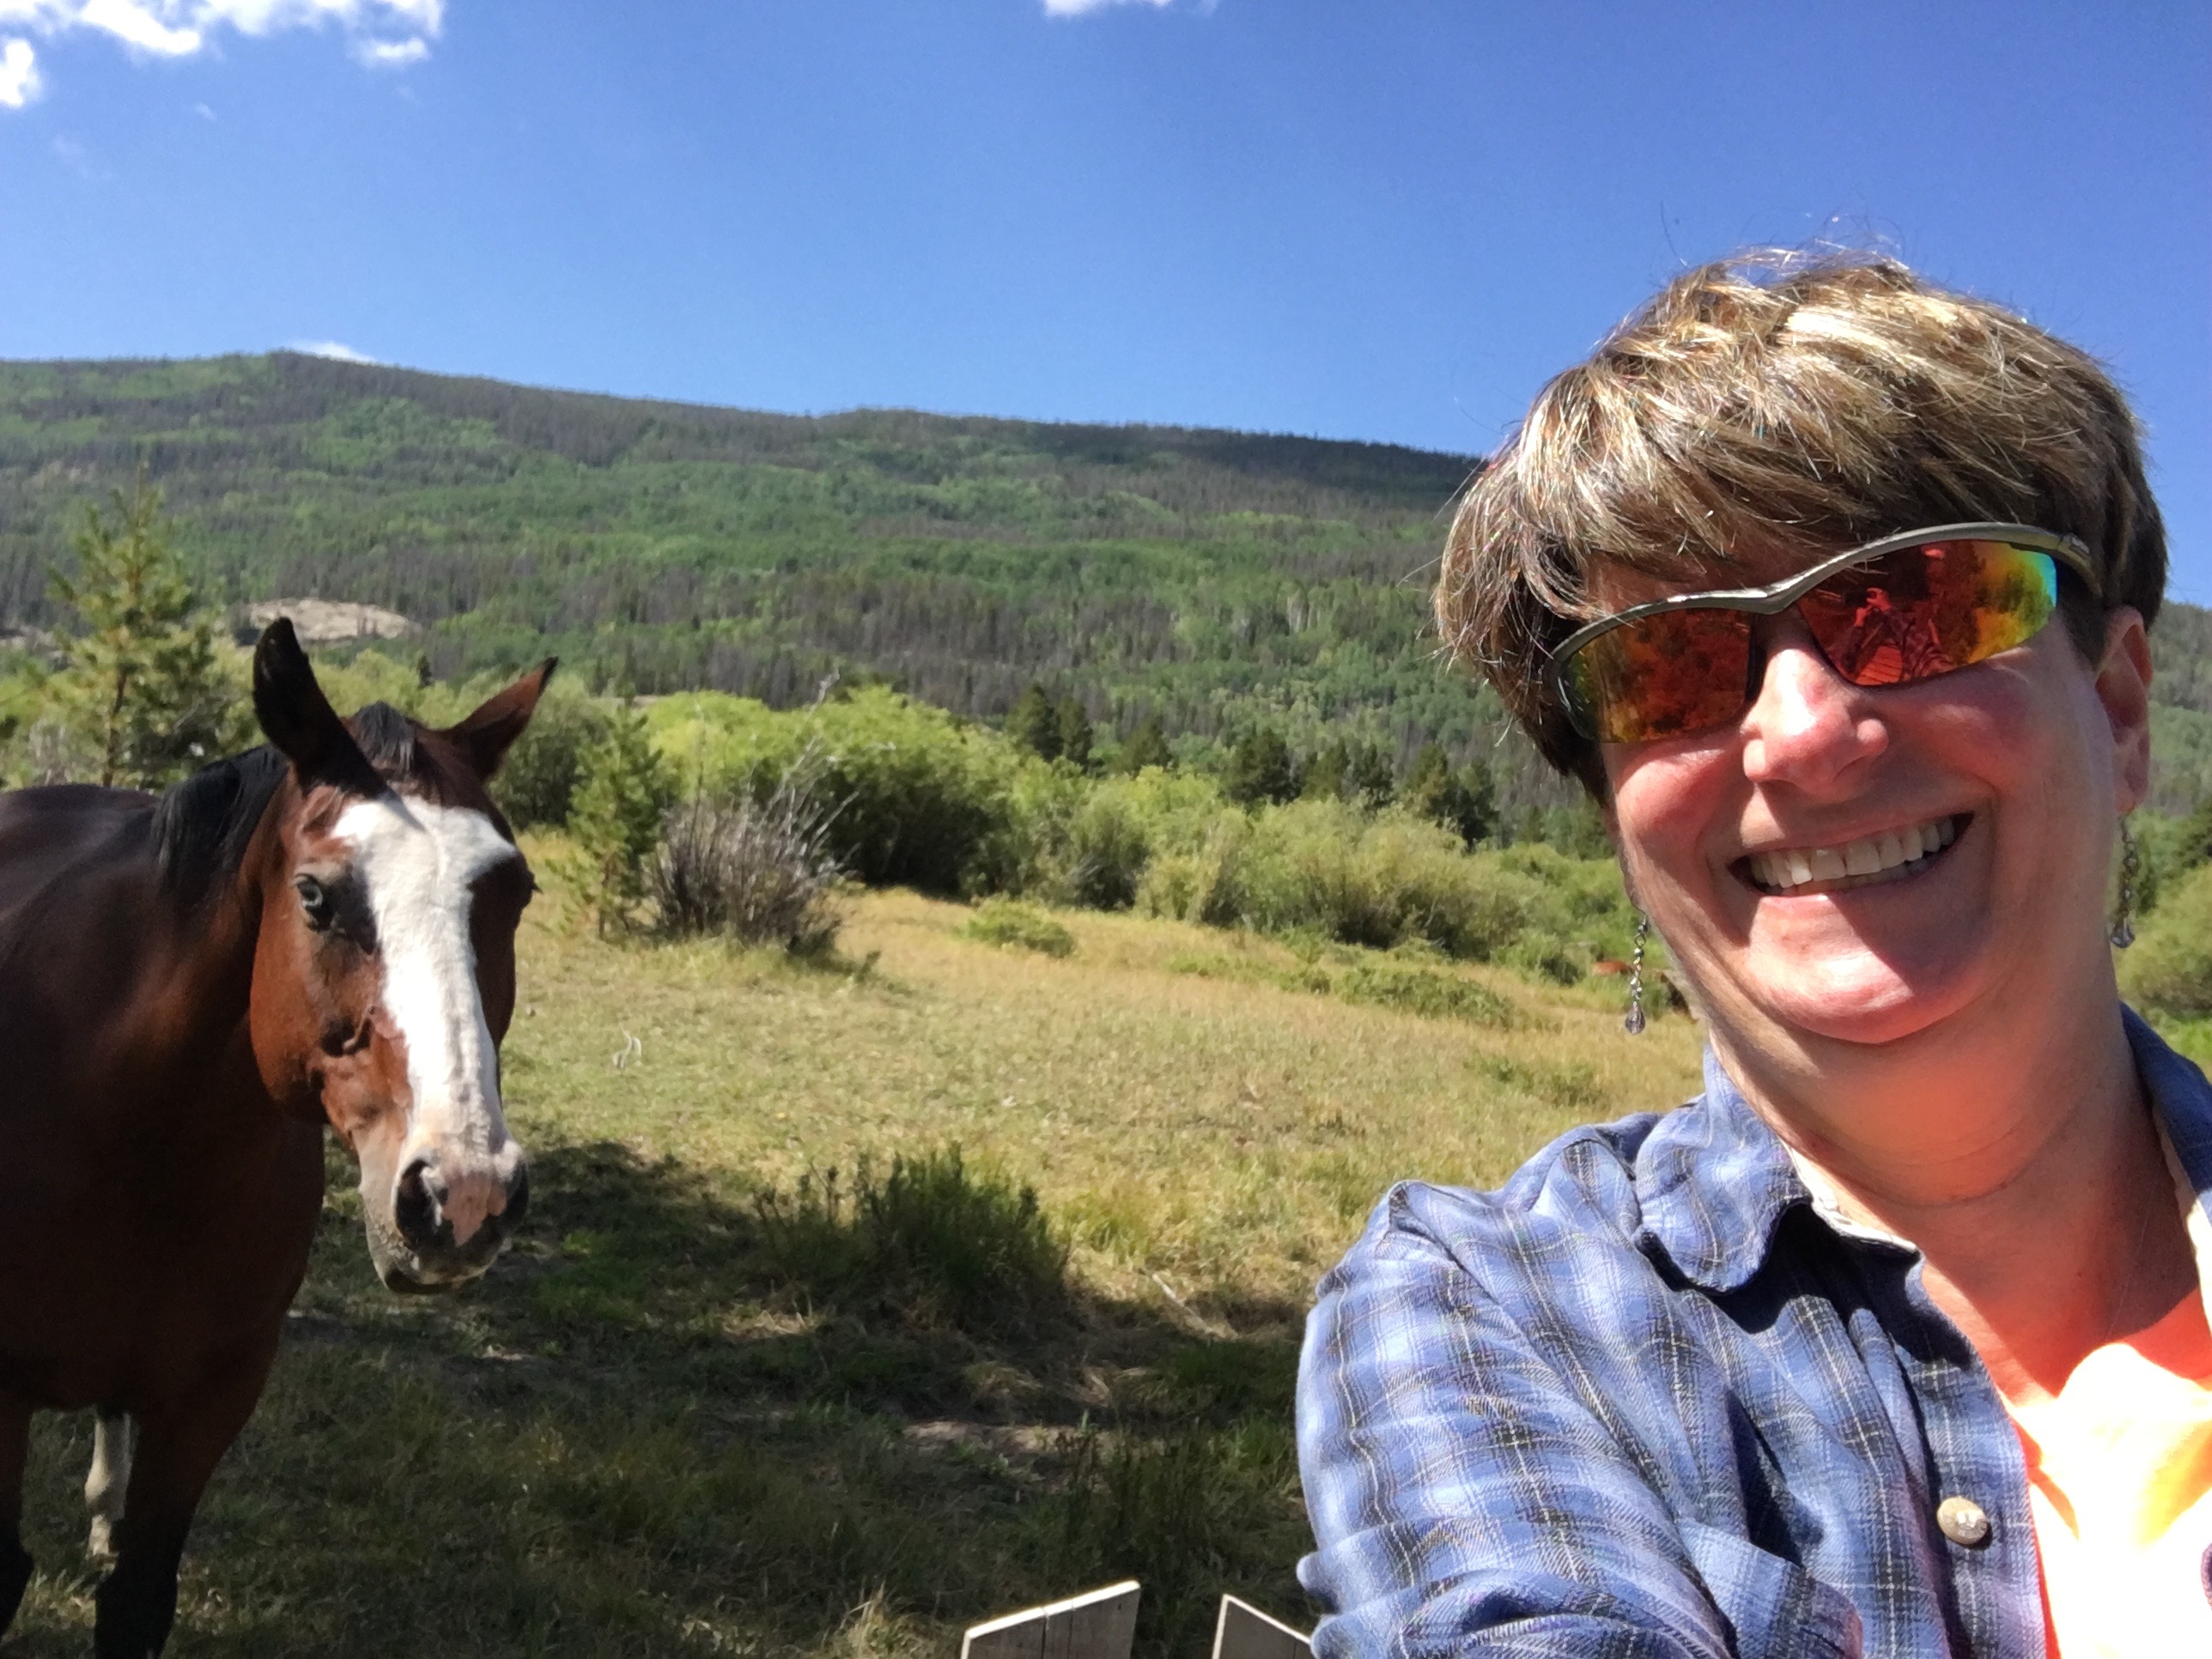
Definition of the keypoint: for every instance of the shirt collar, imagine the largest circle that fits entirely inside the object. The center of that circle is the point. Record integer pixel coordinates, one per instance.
(2182, 1101)
(1715, 1181)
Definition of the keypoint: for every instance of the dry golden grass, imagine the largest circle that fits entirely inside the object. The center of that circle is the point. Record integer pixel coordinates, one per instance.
(641, 1434)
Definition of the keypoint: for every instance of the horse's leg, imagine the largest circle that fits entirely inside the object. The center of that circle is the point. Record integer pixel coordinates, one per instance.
(14, 1559)
(104, 1487)
(179, 1444)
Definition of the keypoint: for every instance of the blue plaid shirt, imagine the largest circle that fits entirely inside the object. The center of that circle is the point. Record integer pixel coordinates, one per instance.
(1646, 1400)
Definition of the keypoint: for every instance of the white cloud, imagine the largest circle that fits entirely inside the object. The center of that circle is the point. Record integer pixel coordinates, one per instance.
(380, 33)
(135, 26)
(391, 54)
(19, 74)
(1078, 8)
(336, 350)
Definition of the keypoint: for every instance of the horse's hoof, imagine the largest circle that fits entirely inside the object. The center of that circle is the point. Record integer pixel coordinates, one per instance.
(135, 1610)
(100, 1543)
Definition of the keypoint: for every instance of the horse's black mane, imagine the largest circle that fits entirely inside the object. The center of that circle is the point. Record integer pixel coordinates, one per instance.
(201, 826)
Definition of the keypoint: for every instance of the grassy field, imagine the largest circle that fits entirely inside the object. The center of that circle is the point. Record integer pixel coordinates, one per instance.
(716, 1401)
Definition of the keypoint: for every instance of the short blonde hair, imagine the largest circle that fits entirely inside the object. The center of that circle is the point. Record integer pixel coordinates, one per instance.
(1780, 406)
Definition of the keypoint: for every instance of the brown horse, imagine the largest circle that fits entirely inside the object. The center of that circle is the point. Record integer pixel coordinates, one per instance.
(319, 931)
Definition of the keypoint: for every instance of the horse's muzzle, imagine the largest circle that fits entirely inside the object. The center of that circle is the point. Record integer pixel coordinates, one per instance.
(450, 1230)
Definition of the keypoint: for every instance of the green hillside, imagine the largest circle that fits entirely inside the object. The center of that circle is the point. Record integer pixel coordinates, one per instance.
(1214, 577)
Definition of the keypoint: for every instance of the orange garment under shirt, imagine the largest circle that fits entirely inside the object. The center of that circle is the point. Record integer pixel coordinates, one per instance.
(2119, 1476)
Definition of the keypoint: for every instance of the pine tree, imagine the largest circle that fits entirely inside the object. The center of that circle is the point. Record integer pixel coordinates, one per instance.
(1323, 777)
(1464, 801)
(1261, 769)
(1035, 724)
(1369, 776)
(142, 686)
(1072, 727)
(623, 788)
(1473, 802)
(1428, 784)
(1145, 747)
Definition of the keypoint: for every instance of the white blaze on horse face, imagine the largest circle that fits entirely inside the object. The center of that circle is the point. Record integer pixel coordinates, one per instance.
(416, 859)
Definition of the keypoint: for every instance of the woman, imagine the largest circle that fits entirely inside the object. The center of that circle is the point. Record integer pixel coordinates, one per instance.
(1891, 1343)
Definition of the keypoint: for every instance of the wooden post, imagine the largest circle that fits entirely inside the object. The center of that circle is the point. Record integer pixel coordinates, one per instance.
(1244, 1631)
(1101, 1624)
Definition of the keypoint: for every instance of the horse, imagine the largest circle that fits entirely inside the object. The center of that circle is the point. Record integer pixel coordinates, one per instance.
(319, 931)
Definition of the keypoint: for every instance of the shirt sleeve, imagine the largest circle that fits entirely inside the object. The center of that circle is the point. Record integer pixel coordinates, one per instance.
(1464, 1498)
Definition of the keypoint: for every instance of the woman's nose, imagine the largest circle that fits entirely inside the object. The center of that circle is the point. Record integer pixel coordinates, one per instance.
(1809, 727)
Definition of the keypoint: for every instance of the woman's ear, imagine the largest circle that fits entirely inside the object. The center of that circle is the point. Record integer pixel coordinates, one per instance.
(2123, 687)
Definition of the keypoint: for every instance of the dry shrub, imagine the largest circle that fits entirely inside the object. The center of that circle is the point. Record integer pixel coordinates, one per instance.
(759, 869)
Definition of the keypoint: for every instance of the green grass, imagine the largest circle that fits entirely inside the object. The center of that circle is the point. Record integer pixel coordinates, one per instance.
(1006, 922)
(701, 1407)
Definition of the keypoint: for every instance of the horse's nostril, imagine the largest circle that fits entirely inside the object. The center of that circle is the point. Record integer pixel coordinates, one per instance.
(414, 1210)
(518, 1201)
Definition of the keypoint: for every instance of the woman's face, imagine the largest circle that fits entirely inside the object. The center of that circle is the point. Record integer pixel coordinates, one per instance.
(2009, 775)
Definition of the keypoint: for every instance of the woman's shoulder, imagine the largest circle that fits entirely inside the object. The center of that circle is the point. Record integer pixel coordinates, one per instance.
(1590, 1180)
(1676, 1183)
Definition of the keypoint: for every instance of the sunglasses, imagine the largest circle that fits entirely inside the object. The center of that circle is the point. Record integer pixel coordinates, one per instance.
(1902, 609)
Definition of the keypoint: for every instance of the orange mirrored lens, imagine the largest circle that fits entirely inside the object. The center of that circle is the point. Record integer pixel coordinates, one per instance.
(1928, 610)
(1910, 615)
(1664, 676)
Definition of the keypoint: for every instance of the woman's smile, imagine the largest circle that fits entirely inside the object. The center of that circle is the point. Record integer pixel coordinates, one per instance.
(1892, 855)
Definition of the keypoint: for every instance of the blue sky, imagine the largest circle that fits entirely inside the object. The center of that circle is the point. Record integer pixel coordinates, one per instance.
(1378, 219)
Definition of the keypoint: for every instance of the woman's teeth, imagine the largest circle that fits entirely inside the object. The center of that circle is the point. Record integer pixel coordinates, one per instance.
(1890, 853)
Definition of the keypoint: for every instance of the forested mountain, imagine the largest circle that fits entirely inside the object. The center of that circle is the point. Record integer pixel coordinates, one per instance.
(1217, 579)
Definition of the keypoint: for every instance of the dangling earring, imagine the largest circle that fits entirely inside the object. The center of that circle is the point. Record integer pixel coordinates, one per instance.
(2123, 923)
(1634, 1024)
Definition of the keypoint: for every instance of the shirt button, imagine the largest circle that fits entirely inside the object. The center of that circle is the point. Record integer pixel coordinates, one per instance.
(1962, 1521)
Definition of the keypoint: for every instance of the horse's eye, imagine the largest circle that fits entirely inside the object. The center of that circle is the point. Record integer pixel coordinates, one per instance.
(314, 900)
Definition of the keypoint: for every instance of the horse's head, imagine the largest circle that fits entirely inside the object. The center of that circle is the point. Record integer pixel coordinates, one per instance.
(384, 973)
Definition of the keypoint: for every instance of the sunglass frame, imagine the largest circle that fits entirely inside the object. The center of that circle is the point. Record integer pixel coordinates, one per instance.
(1778, 597)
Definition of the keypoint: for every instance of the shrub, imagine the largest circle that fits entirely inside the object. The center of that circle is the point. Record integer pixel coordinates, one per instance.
(536, 786)
(927, 802)
(759, 871)
(1095, 857)
(1439, 995)
(2169, 969)
(1378, 982)
(931, 1241)
(1003, 921)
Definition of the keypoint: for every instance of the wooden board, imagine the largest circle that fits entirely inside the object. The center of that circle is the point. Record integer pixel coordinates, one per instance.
(1244, 1631)
(1101, 1624)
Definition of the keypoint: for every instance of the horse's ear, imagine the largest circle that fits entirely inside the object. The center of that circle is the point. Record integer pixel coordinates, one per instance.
(486, 735)
(298, 719)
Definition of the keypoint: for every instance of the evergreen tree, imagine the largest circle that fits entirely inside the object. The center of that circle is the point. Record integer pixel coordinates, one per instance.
(1035, 723)
(1428, 784)
(1071, 727)
(1471, 804)
(1369, 776)
(623, 789)
(1325, 771)
(142, 686)
(1145, 747)
(1464, 801)
(1261, 769)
